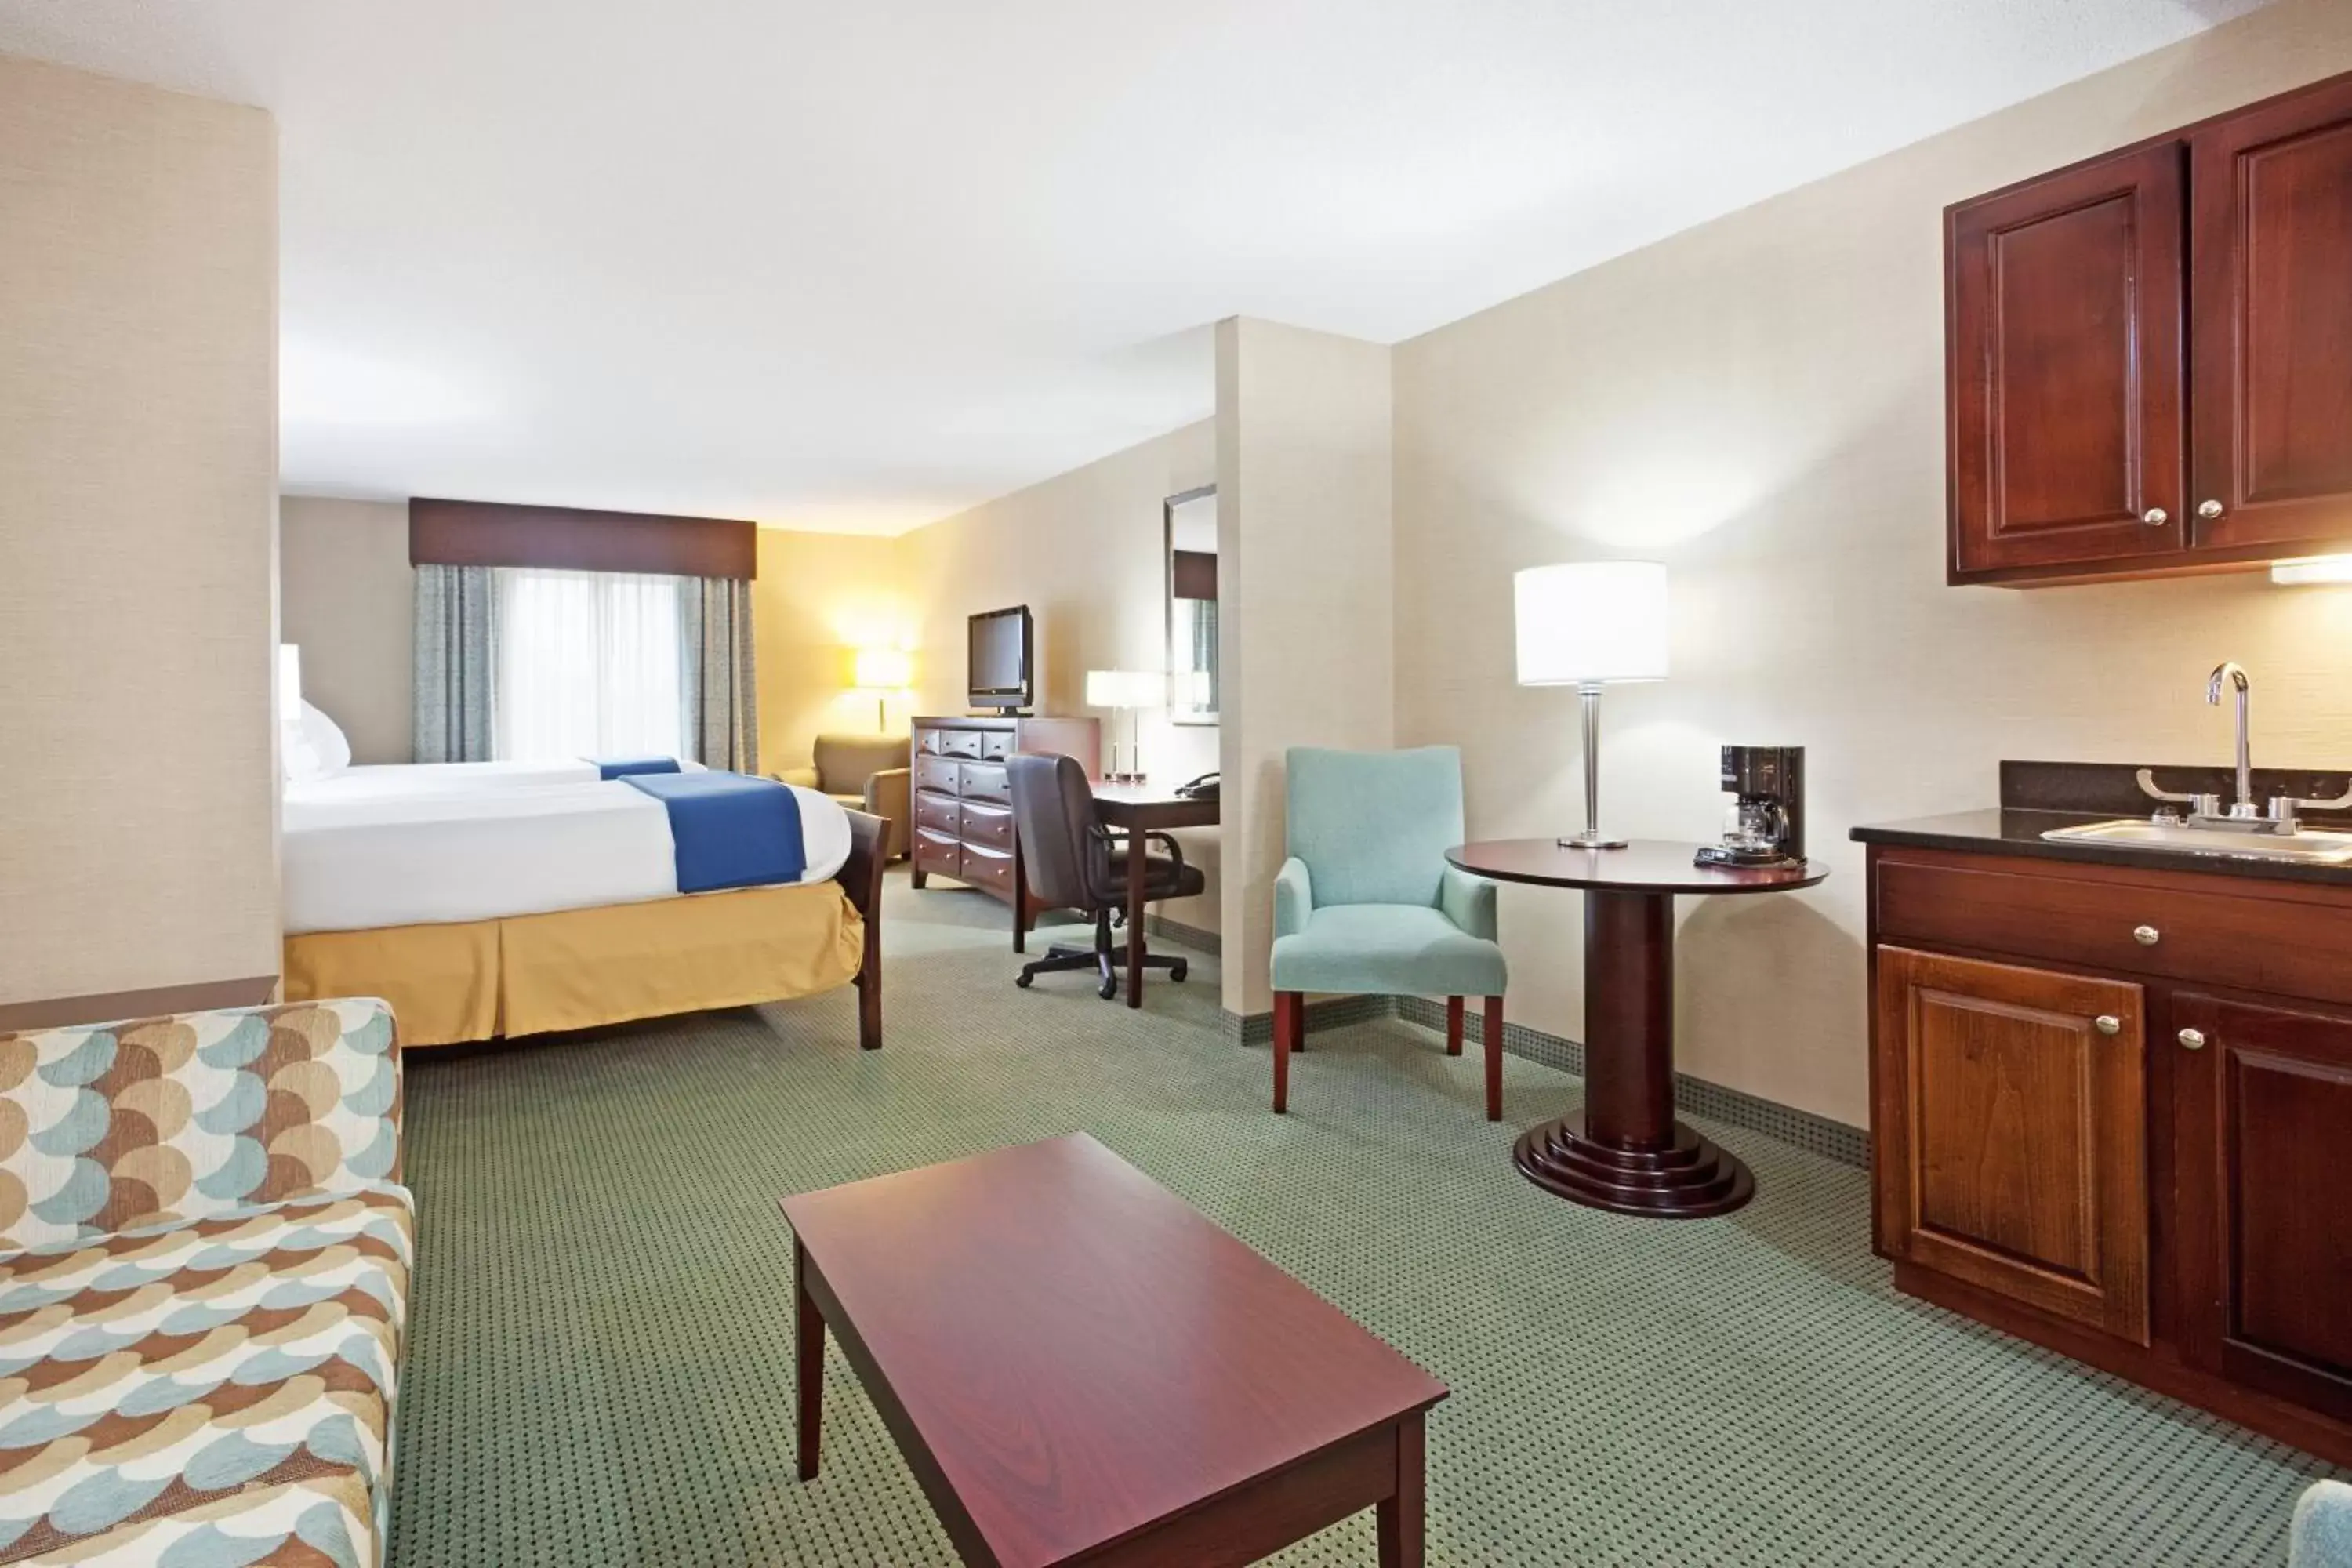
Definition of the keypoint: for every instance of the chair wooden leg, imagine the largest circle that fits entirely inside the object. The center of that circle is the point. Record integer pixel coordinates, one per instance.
(1288, 1018)
(1494, 1058)
(1454, 1026)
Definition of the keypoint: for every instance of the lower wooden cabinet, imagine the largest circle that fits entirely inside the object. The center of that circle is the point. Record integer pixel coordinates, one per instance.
(2112, 1113)
(2263, 1138)
(2012, 1105)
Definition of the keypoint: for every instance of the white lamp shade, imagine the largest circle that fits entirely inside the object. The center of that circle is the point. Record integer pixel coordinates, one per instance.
(289, 681)
(884, 668)
(1592, 620)
(1125, 688)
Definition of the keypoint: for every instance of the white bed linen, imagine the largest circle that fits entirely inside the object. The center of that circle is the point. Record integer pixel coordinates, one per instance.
(423, 858)
(379, 780)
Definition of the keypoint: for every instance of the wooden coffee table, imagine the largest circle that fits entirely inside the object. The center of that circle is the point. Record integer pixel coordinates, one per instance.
(1080, 1368)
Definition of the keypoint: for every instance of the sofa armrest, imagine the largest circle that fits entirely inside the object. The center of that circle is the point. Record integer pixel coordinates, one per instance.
(1468, 902)
(805, 777)
(1293, 898)
(194, 1115)
(889, 794)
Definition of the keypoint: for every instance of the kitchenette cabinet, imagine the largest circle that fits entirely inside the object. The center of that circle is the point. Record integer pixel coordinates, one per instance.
(2112, 1113)
(2150, 354)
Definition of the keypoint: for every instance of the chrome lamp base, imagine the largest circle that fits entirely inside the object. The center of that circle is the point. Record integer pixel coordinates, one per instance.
(1592, 837)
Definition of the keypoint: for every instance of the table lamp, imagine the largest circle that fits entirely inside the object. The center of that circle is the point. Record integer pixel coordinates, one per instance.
(1589, 624)
(1127, 690)
(883, 670)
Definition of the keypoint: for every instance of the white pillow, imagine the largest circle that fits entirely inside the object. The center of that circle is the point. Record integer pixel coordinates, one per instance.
(298, 759)
(326, 738)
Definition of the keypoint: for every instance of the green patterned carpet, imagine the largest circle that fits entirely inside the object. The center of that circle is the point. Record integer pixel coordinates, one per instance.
(601, 1363)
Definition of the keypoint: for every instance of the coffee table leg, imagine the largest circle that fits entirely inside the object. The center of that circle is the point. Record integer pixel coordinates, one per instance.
(808, 1345)
(1400, 1519)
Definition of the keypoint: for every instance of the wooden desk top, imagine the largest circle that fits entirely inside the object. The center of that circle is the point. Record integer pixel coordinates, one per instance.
(1150, 804)
(1082, 1353)
(1644, 866)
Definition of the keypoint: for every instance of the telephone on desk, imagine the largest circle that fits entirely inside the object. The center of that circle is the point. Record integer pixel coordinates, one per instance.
(1202, 788)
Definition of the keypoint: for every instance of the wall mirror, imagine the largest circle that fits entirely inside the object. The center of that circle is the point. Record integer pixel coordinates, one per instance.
(1191, 551)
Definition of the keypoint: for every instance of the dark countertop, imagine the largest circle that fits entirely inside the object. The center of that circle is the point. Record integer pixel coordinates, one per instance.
(2017, 831)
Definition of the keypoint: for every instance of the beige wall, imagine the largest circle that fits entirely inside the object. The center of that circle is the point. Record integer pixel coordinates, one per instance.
(1304, 559)
(347, 598)
(138, 463)
(1082, 550)
(819, 597)
(1758, 403)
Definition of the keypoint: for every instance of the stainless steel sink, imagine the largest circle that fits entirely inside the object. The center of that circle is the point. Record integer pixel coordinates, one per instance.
(2308, 846)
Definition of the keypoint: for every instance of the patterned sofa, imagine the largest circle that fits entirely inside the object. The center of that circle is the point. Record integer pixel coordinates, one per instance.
(205, 1254)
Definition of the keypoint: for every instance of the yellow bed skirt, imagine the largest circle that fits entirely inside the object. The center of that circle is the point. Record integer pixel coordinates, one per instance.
(578, 968)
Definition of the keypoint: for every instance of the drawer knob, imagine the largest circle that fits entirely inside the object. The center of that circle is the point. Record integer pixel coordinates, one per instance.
(2193, 1040)
(2211, 509)
(2108, 1023)
(2146, 936)
(2156, 516)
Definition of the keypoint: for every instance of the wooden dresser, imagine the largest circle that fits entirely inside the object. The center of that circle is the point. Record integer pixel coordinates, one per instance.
(962, 806)
(2111, 1105)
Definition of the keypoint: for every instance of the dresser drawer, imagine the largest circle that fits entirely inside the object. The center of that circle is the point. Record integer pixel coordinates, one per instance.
(985, 781)
(988, 825)
(956, 743)
(933, 852)
(942, 814)
(2177, 925)
(989, 869)
(938, 773)
(995, 745)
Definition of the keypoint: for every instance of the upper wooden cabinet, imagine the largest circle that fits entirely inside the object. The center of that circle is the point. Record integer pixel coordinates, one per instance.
(2149, 355)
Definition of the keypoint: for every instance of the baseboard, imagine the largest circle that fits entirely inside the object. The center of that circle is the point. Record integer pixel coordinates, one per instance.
(1192, 937)
(107, 1006)
(1816, 1134)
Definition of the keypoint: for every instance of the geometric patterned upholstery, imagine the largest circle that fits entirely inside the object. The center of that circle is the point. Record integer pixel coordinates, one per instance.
(199, 1351)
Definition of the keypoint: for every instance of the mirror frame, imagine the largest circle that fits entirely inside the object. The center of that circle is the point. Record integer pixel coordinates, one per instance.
(1205, 718)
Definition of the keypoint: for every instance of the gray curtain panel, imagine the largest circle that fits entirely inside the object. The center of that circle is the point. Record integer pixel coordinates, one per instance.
(456, 664)
(722, 707)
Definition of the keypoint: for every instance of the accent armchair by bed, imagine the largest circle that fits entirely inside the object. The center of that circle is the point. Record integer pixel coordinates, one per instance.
(1366, 904)
(865, 772)
(204, 1252)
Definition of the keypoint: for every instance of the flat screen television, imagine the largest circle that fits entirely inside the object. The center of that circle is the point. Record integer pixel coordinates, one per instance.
(1003, 663)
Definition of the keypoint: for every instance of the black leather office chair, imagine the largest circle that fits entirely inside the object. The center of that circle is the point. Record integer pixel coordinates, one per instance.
(1073, 862)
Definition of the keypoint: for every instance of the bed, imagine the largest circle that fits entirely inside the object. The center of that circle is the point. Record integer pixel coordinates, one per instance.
(489, 900)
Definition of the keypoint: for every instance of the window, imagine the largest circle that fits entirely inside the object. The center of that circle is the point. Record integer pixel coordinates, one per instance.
(589, 665)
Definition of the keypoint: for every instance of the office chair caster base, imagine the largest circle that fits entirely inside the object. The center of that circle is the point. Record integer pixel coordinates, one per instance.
(1107, 990)
(1177, 971)
(1024, 980)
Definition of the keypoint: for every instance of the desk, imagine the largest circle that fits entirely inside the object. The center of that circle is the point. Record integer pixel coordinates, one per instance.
(1136, 808)
(1626, 1153)
(1125, 1385)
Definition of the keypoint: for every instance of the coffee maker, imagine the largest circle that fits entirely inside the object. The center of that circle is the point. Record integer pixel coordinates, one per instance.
(1765, 825)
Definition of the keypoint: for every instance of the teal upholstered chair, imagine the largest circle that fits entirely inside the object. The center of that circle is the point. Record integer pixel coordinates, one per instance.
(1366, 904)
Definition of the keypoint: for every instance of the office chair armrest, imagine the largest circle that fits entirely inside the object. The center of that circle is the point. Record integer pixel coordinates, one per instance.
(1468, 902)
(1175, 850)
(1293, 898)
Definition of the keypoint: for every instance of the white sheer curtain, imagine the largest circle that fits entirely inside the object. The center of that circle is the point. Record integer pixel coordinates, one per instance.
(590, 664)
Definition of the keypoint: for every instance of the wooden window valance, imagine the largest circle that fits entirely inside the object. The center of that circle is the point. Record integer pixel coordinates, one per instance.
(484, 533)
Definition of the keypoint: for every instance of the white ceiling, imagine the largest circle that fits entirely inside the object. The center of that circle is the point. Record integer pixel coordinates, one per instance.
(855, 265)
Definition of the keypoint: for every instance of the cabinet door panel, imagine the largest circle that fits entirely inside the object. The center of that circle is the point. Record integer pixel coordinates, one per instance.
(2064, 376)
(2014, 1154)
(2263, 1134)
(2272, 273)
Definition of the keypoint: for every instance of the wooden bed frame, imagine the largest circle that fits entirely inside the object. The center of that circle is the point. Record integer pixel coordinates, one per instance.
(861, 877)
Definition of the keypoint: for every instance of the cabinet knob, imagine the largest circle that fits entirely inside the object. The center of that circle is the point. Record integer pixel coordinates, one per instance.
(2210, 509)
(2146, 936)
(2108, 1023)
(2156, 516)
(2193, 1040)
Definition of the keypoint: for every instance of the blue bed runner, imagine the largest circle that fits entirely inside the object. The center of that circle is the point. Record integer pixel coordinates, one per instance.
(730, 830)
(611, 768)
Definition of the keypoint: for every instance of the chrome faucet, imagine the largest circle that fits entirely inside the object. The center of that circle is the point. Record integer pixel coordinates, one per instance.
(2234, 673)
(2243, 815)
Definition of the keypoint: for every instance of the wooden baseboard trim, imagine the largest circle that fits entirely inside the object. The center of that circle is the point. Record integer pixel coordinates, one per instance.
(108, 1006)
